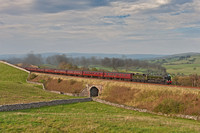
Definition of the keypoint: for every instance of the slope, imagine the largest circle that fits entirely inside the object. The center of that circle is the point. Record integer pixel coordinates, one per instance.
(14, 89)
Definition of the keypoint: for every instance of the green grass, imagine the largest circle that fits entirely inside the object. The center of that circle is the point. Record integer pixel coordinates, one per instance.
(186, 69)
(14, 89)
(8, 73)
(91, 117)
(17, 92)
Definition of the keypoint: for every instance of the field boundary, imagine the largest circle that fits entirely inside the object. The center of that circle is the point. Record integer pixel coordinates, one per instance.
(145, 110)
(37, 83)
(14, 107)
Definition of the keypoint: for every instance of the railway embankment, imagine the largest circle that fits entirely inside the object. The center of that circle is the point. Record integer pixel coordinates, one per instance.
(154, 98)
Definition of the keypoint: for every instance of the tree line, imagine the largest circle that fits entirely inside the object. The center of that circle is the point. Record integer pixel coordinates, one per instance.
(65, 62)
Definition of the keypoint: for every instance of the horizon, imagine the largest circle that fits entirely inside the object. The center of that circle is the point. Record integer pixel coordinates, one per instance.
(32, 52)
(160, 27)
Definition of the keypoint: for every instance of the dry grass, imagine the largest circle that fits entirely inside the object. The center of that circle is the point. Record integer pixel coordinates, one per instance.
(163, 100)
(60, 84)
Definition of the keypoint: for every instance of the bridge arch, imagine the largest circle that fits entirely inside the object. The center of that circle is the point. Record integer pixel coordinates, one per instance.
(94, 91)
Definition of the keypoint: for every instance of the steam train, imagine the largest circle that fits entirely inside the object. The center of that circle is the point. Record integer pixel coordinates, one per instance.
(107, 75)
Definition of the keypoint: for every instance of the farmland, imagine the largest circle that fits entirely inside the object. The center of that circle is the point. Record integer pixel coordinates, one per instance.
(182, 64)
(89, 116)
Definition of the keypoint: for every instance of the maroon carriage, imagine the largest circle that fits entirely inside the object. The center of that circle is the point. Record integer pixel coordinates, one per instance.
(93, 74)
(74, 72)
(34, 69)
(30, 69)
(50, 71)
(114, 75)
(63, 72)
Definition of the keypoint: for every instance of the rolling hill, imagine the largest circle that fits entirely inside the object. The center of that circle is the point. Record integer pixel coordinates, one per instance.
(14, 89)
(181, 64)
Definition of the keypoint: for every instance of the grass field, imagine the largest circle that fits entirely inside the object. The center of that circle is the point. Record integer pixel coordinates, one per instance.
(14, 89)
(181, 64)
(91, 117)
(185, 69)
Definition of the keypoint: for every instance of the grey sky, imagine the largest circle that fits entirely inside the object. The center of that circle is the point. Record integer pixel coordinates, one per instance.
(100, 26)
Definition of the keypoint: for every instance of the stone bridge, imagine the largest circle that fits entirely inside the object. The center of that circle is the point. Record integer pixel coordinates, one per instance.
(92, 90)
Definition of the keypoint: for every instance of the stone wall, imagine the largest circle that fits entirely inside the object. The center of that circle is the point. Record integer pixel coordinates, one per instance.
(146, 111)
(41, 104)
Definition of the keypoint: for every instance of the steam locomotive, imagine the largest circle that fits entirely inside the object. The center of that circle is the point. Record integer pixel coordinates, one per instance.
(107, 75)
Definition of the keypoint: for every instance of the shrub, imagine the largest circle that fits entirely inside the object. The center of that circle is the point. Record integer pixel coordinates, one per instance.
(32, 76)
(94, 69)
(71, 81)
(59, 80)
(42, 81)
(168, 106)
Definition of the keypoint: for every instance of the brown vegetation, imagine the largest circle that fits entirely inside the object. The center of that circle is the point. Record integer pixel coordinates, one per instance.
(58, 84)
(164, 101)
(192, 80)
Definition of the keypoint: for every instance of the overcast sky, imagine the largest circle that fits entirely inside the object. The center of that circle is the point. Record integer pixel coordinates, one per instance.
(100, 26)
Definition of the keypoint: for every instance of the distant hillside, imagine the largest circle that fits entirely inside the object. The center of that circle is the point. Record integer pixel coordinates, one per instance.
(181, 64)
(7, 56)
(178, 55)
(101, 55)
(88, 55)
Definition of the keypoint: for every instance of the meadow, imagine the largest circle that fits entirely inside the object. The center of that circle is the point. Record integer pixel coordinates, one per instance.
(91, 117)
(185, 69)
(14, 89)
(181, 65)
